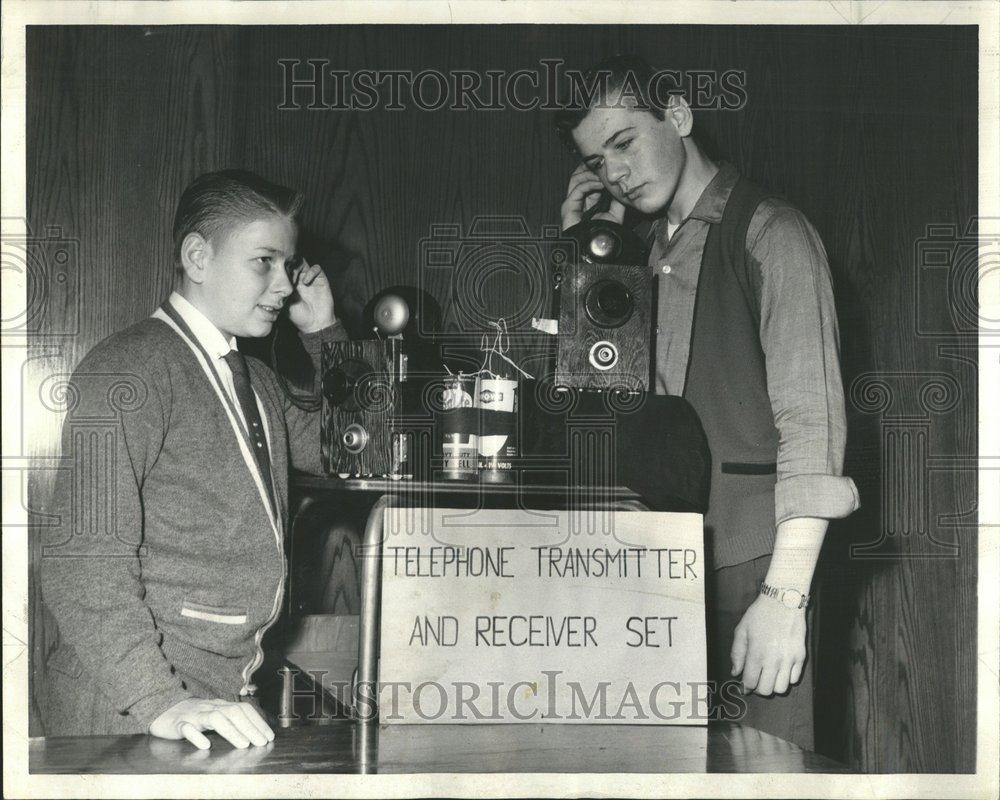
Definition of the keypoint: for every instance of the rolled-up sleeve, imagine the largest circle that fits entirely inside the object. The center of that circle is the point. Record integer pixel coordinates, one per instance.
(799, 337)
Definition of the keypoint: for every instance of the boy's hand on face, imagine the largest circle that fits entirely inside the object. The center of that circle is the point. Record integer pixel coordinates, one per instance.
(769, 647)
(585, 190)
(238, 723)
(311, 306)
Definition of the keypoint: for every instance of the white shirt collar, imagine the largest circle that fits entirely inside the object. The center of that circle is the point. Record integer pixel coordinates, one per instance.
(210, 337)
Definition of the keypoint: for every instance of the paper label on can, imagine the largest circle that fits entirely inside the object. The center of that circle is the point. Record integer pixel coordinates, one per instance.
(455, 395)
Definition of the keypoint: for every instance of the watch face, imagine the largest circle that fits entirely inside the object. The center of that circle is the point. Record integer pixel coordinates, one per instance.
(791, 598)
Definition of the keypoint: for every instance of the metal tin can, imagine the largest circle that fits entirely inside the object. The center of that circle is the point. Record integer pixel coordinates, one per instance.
(460, 449)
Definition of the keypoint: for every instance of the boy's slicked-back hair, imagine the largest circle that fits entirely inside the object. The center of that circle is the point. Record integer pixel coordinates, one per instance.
(217, 199)
(601, 84)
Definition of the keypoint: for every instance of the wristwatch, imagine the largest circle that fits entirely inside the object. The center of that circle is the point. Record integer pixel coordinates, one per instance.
(789, 598)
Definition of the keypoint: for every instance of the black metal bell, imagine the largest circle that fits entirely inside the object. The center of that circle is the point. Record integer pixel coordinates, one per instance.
(391, 314)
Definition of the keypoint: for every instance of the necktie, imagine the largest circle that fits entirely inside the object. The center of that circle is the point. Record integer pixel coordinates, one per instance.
(248, 403)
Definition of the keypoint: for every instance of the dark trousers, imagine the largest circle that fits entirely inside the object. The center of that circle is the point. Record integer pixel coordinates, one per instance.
(728, 594)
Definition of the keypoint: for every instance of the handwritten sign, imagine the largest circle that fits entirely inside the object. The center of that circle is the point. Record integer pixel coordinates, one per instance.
(509, 616)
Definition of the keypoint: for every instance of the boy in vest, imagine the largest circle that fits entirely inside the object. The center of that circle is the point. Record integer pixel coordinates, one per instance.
(747, 332)
(167, 565)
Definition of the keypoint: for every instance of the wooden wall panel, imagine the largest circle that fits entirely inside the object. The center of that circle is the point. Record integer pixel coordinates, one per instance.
(871, 131)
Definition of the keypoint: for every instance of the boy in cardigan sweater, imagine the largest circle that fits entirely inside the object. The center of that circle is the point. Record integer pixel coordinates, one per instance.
(167, 566)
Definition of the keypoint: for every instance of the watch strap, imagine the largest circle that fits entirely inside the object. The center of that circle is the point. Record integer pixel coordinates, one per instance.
(778, 593)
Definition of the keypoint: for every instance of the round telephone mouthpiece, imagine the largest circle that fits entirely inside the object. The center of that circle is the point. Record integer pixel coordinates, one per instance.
(603, 355)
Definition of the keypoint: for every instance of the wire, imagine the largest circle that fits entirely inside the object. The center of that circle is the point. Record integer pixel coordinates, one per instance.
(500, 347)
(309, 403)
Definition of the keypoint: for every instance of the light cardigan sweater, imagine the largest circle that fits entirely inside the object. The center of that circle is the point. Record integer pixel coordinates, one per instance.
(165, 568)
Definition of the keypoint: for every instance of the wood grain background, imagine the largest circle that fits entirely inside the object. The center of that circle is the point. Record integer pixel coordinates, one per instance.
(871, 131)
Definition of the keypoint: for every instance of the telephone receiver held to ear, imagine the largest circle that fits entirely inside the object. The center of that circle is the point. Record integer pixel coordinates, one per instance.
(603, 204)
(604, 241)
(293, 266)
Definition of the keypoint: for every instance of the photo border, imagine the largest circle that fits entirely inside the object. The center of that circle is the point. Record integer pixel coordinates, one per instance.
(19, 13)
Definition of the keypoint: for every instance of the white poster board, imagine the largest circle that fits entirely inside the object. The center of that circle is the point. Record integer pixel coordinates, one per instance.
(510, 616)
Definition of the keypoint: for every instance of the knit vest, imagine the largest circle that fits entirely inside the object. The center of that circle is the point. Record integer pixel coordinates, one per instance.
(726, 383)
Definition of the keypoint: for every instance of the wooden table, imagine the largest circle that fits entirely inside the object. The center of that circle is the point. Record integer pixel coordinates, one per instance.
(350, 747)
(346, 746)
